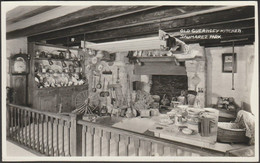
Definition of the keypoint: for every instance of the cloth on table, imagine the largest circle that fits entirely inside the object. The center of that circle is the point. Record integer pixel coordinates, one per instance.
(247, 120)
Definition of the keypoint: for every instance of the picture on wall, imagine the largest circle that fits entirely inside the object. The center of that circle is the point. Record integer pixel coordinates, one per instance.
(227, 59)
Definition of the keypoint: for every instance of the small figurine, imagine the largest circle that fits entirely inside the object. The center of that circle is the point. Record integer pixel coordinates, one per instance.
(165, 100)
(182, 99)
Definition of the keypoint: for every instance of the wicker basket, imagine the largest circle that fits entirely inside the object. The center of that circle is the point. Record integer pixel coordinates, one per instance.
(231, 133)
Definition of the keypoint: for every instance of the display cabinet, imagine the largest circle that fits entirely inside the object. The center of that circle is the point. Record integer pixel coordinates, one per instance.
(56, 77)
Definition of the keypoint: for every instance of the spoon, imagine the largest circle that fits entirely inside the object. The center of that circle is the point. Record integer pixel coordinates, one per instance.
(107, 92)
(103, 93)
(99, 85)
(94, 83)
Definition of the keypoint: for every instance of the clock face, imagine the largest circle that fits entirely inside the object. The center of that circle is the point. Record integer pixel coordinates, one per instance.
(19, 65)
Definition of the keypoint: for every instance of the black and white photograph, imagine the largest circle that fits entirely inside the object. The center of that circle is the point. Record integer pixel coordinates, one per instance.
(130, 81)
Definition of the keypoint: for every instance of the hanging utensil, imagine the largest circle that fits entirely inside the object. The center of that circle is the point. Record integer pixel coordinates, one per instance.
(102, 93)
(63, 64)
(107, 92)
(99, 85)
(128, 91)
(94, 84)
(50, 62)
(113, 99)
(118, 76)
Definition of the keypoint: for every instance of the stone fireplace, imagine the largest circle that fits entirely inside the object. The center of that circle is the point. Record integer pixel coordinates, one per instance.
(171, 82)
(169, 85)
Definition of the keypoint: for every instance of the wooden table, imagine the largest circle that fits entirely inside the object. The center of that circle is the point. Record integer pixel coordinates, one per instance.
(147, 126)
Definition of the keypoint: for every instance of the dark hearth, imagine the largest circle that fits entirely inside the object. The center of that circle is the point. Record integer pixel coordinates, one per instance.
(171, 85)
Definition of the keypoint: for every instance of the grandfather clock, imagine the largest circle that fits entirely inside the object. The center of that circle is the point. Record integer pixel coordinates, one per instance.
(19, 68)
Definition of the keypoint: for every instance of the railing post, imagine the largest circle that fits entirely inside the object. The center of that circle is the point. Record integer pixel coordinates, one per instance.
(7, 120)
(76, 136)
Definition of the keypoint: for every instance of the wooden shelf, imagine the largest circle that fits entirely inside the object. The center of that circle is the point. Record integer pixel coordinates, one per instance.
(164, 59)
(156, 59)
(56, 59)
(55, 46)
(63, 87)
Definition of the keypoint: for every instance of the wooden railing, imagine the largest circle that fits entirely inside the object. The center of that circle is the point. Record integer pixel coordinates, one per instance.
(100, 140)
(39, 131)
(60, 135)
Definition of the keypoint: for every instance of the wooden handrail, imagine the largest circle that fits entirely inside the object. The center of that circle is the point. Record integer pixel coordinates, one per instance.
(165, 142)
(77, 131)
(35, 129)
(54, 115)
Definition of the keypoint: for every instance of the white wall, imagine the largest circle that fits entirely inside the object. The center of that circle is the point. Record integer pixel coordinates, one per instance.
(13, 47)
(220, 84)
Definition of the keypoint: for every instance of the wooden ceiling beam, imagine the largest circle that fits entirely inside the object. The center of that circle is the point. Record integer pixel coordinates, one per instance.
(247, 26)
(85, 16)
(228, 39)
(152, 28)
(29, 14)
(123, 21)
(237, 43)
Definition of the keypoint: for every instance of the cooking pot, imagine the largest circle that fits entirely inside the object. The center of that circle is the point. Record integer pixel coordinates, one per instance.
(62, 55)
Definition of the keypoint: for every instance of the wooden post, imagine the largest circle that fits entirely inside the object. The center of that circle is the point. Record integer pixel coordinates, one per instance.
(76, 136)
(7, 121)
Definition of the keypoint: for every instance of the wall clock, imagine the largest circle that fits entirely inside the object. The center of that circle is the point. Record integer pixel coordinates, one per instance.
(19, 64)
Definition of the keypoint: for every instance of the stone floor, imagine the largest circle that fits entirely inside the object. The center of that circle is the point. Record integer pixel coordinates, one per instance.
(13, 150)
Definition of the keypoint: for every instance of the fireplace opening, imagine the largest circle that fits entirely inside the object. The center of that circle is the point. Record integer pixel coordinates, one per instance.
(169, 85)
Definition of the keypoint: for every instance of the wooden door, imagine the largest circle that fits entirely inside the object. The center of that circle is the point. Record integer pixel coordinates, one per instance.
(18, 83)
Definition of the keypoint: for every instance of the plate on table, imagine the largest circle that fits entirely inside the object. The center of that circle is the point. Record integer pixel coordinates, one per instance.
(165, 122)
(187, 131)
